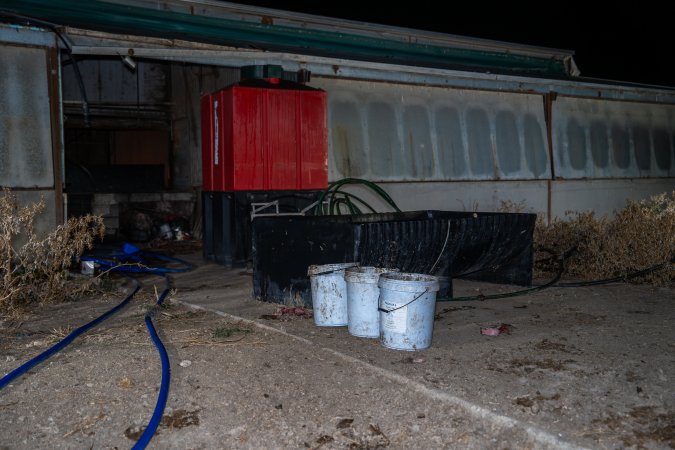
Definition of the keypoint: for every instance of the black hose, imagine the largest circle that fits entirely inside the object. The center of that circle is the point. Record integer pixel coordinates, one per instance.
(620, 278)
(554, 280)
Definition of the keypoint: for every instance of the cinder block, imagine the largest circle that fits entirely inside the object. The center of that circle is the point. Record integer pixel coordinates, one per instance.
(108, 199)
(178, 196)
(145, 197)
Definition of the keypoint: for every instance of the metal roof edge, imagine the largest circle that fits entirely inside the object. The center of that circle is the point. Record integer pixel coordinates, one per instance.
(256, 14)
(96, 44)
(121, 17)
(13, 34)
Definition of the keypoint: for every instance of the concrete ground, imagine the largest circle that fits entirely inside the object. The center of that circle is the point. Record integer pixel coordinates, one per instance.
(578, 368)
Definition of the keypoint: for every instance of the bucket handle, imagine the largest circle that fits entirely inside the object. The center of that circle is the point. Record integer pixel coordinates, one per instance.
(402, 306)
(333, 270)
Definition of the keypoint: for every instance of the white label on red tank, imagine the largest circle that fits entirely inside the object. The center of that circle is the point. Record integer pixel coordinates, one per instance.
(215, 132)
(395, 320)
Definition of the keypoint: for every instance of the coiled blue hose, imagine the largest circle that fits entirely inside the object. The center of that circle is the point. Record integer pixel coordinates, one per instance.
(134, 256)
(130, 253)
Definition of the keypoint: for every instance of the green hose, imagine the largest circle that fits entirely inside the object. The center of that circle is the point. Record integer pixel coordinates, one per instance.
(337, 197)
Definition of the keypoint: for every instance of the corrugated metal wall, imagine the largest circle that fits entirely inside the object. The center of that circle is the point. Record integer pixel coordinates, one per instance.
(188, 83)
(453, 149)
(396, 132)
(613, 139)
(390, 132)
(109, 81)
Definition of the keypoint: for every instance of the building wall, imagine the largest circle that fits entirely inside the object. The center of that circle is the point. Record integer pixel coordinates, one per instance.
(30, 140)
(189, 83)
(595, 138)
(446, 148)
(396, 132)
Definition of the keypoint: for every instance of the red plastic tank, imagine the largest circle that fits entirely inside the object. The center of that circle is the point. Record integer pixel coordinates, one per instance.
(264, 134)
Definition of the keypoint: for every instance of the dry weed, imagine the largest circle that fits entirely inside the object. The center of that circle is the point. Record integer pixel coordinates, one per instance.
(639, 236)
(35, 268)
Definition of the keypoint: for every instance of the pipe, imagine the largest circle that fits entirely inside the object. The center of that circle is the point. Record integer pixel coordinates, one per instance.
(130, 252)
(65, 341)
(133, 255)
(156, 418)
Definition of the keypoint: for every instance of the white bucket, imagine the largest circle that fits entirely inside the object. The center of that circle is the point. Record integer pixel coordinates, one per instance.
(407, 306)
(329, 294)
(362, 298)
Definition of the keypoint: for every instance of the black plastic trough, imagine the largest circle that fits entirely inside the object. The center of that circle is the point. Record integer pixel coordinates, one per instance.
(495, 247)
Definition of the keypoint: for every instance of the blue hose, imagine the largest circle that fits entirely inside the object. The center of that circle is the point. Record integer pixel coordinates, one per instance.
(130, 253)
(133, 255)
(64, 342)
(156, 418)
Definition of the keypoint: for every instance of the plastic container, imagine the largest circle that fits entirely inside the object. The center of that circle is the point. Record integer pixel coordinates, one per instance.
(362, 300)
(407, 306)
(329, 294)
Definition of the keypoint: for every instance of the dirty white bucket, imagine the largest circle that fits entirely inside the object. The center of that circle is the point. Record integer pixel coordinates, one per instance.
(362, 298)
(329, 294)
(407, 305)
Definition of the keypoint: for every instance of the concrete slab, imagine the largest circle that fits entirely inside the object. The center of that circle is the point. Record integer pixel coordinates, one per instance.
(581, 368)
(589, 367)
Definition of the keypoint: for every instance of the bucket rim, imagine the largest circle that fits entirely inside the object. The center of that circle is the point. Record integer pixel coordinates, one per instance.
(366, 274)
(409, 282)
(325, 269)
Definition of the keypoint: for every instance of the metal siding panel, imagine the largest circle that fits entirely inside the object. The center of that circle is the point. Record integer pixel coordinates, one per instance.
(508, 142)
(576, 141)
(480, 142)
(620, 146)
(641, 149)
(451, 130)
(603, 197)
(347, 148)
(536, 155)
(110, 81)
(417, 143)
(612, 139)
(386, 154)
(662, 145)
(599, 136)
(450, 146)
(26, 158)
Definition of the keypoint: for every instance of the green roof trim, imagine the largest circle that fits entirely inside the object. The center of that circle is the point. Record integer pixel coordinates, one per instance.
(120, 18)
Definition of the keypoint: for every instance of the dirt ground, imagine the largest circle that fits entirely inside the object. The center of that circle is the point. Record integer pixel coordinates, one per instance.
(575, 368)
